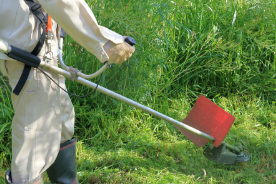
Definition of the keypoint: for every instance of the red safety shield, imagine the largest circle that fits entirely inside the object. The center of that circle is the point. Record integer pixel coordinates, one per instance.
(208, 118)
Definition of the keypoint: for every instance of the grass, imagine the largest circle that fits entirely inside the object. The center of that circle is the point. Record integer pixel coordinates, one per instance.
(221, 49)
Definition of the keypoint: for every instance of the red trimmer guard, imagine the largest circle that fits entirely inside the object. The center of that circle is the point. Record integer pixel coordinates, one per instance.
(208, 118)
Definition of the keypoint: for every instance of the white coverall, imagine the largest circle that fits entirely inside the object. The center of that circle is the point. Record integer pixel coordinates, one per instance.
(44, 115)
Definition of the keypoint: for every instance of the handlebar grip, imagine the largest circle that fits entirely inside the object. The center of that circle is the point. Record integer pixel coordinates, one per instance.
(62, 33)
(131, 41)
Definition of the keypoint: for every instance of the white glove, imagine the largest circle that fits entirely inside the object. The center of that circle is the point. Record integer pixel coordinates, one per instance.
(118, 53)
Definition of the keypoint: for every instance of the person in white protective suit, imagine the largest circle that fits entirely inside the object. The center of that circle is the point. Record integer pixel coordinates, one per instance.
(43, 123)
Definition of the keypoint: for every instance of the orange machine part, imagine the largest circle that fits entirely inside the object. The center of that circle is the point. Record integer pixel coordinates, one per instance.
(49, 24)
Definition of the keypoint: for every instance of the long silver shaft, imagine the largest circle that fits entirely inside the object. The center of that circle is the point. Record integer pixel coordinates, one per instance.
(133, 103)
(127, 100)
(5, 48)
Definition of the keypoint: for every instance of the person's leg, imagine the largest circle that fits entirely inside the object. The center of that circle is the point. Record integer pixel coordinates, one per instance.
(67, 113)
(63, 170)
(36, 126)
(38, 180)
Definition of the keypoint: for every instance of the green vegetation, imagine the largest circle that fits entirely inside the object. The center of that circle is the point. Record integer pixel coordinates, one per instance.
(224, 50)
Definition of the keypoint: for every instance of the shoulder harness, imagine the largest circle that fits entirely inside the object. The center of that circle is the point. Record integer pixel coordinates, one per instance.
(35, 8)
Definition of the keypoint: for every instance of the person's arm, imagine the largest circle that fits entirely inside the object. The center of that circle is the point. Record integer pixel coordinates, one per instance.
(77, 19)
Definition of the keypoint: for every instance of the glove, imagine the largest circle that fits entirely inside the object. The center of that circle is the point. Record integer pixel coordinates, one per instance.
(118, 53)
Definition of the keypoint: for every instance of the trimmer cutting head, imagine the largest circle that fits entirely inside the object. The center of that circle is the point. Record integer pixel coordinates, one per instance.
(222, 155)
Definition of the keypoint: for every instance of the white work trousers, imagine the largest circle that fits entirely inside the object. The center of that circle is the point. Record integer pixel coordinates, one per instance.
(43, 118)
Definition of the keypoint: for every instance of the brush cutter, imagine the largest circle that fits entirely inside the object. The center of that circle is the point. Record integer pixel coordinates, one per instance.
(206, 121)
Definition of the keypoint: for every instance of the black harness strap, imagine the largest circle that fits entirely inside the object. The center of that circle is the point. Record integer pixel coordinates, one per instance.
(35, 8)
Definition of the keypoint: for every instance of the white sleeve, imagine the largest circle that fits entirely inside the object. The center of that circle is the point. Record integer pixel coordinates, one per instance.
(77, 19)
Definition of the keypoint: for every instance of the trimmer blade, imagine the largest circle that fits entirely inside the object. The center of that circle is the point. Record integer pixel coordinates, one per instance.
(242, 157)
(222, 155)
(219, 154)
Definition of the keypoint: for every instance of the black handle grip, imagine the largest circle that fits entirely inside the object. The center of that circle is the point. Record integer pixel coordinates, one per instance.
(24, 57)
(131, 41)
(62, 33)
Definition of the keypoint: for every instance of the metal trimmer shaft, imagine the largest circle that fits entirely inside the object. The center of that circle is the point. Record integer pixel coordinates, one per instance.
(133, 103)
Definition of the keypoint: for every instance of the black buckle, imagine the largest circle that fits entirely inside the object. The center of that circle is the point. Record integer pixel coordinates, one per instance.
(35, 7)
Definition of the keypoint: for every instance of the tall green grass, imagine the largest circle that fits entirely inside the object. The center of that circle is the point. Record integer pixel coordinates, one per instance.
(224, 50)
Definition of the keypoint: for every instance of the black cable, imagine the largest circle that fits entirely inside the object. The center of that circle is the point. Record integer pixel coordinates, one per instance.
(68, 91)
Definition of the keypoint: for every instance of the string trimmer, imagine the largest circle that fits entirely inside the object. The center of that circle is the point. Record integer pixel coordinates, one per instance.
(206, 121)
